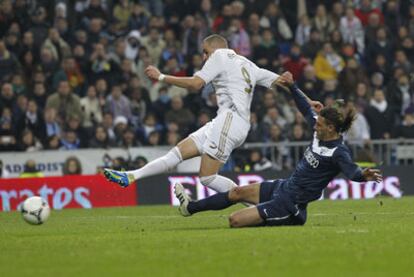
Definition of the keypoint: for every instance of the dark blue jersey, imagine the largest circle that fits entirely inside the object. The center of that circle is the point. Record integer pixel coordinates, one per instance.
(321, 162)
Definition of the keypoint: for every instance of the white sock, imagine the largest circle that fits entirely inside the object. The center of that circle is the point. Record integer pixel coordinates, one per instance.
(160, 165)
(217, 182)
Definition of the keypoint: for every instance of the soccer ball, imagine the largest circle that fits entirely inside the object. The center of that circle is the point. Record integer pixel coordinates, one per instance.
(35, 210)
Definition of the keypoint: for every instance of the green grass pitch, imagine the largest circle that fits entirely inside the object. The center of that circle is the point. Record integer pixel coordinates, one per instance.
(341, 238)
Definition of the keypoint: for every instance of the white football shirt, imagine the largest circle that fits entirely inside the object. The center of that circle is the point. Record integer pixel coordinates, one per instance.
(234, 78)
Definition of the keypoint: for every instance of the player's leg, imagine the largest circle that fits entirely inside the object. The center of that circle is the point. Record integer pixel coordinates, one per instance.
(208, 175)
(227, 131)
(218, 201)
(186, 149)
(246, 217)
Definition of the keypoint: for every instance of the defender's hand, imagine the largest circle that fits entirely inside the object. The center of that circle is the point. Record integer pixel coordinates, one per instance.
(285, 80)
(371, 174)
(316, 106)
(152, 72)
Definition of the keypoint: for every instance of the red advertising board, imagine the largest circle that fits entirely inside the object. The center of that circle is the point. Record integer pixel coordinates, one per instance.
(86, 191)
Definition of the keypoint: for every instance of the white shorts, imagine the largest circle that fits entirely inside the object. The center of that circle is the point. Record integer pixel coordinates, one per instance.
(221, 135)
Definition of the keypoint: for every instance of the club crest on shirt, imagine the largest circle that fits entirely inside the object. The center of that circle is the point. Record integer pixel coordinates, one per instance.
(310, 158)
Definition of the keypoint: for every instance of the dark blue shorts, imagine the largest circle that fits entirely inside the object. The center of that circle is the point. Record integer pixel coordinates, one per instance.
(276, 206)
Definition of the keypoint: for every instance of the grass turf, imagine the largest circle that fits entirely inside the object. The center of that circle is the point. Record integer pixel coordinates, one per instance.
(341, 238)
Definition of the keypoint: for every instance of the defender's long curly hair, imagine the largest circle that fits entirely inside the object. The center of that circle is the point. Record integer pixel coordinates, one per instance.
(339, 116)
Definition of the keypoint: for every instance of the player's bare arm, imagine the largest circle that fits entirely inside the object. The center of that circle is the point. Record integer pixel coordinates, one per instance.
(191, 83)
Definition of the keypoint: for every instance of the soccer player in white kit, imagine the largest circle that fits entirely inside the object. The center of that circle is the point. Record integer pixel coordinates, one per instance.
(234, 78)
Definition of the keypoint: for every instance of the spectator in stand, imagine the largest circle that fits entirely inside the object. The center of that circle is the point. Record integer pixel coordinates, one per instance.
(194, 30)
(52, 143)
(267, 52)
(120, 125)
(379, 116)
(7, 135)
(149, 125)
(311, 48)
(410, 20)
(275, 20)
(278, 154)
(239, 39)
(31, 170)
(348, 79)
(33, 120)
(401, 61)
(392, 15)
(365, 10)
(322, 22)
(362, 96)
(72, 73)
(108, 124)
(179, 114)
(257, 129)
(65, 102)
(139, 162)
(374, 23)
(222, 21)
(338, 10)
(101, 139)
(121, 14)
(74, 124)
(352, 30)
(295, 62)
(253, 25)
(381, 45)
(154, 139)
(28, 142)
(154, 44)
(7, 97)
(91, 108)
(257, 162)
(128, 139)
(39, 25)
(59, 48)
(72, 166)
(39, 94)
(303, 30)
(101, 67)
(118, 104)
(69, 140)
(52, 127)
(172, 138)
(407, 46)
(20, 106)
(309, 83)
(328, 64)
(406, 128)
(400, 96)
(138, 20)
(273, 117)
(95, 10)
(360, 130)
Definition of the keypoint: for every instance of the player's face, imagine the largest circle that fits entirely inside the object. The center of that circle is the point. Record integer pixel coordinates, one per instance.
(207, 51)
(322, 128)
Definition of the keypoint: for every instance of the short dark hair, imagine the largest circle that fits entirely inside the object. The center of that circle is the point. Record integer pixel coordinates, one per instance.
(338, 116)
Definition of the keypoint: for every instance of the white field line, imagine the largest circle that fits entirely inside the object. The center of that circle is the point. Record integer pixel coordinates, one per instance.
(222, 215)
(363, 213)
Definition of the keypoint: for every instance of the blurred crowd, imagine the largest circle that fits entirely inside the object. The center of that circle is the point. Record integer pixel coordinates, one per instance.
(72, 72)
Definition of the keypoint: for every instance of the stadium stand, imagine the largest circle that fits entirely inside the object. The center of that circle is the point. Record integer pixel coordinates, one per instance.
(72, 72)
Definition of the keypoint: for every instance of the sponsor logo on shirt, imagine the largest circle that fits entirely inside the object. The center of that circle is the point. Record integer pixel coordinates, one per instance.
(311, 159)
